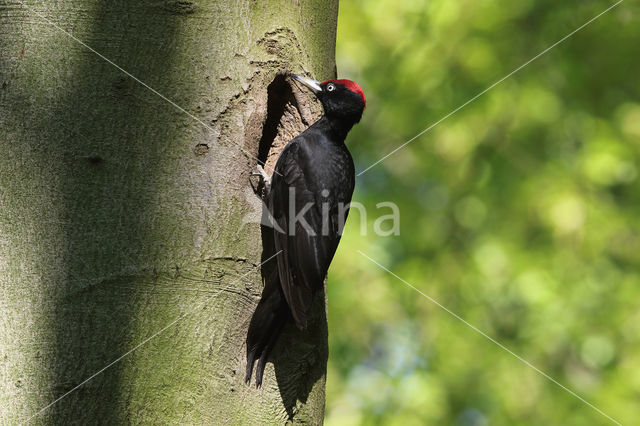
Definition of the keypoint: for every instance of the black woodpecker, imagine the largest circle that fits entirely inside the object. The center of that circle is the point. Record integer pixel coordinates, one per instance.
(308, 198)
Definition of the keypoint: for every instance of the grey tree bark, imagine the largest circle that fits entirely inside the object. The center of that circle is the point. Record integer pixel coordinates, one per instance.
(129, 234)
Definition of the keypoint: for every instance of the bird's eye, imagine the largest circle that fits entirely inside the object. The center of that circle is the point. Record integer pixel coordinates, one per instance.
(331, 87)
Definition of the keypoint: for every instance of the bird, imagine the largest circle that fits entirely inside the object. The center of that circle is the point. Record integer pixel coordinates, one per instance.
(308, 200)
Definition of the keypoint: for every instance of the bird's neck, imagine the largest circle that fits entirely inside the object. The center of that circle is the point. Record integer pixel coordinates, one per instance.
(335, 127)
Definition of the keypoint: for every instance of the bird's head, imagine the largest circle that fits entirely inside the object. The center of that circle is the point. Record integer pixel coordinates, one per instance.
(342, 99)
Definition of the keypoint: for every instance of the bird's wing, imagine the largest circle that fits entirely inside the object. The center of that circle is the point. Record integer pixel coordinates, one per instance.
(306, 252)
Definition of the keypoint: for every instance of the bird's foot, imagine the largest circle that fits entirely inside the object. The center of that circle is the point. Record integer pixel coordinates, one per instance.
(265, 177)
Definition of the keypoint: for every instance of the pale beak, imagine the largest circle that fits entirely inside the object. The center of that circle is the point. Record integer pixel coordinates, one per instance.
(312, 84)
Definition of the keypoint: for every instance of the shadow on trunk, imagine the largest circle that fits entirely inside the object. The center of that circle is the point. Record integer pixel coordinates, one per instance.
(107, 132)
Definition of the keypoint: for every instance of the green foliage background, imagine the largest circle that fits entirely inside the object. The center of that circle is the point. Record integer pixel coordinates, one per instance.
(519, 213)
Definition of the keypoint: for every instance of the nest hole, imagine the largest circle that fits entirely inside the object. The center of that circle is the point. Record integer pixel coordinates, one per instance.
(283, 121)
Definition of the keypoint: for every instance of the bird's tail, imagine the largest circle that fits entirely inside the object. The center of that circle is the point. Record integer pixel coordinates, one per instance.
(266, 325)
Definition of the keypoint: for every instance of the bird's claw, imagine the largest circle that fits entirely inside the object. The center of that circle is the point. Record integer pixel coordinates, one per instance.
(264, 176)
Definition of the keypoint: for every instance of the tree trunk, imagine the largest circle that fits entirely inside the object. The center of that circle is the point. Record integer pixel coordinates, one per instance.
(129, 233)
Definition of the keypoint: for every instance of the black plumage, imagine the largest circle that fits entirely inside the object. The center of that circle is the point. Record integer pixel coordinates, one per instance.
(308, 199)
